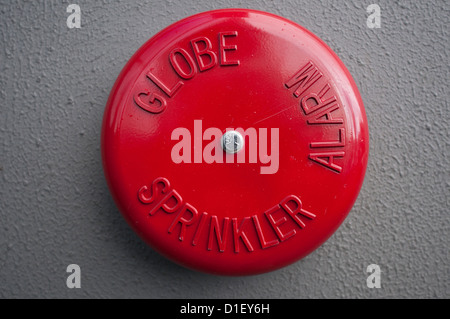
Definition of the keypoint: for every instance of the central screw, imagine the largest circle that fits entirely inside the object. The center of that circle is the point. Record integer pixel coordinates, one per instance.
(232, 142)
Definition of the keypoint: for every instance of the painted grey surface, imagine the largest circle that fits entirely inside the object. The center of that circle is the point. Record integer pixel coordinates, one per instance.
(55, 208)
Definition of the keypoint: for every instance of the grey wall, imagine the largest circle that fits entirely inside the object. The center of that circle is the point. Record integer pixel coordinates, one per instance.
(55, 208)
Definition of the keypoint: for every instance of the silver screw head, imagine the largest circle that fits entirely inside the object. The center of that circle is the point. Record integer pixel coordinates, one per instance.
(232, 142)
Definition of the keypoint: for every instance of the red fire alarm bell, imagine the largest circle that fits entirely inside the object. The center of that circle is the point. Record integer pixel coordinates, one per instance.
(235, 142)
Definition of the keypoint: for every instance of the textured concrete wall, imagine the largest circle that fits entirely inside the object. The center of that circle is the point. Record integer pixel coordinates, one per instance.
(55, 208)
